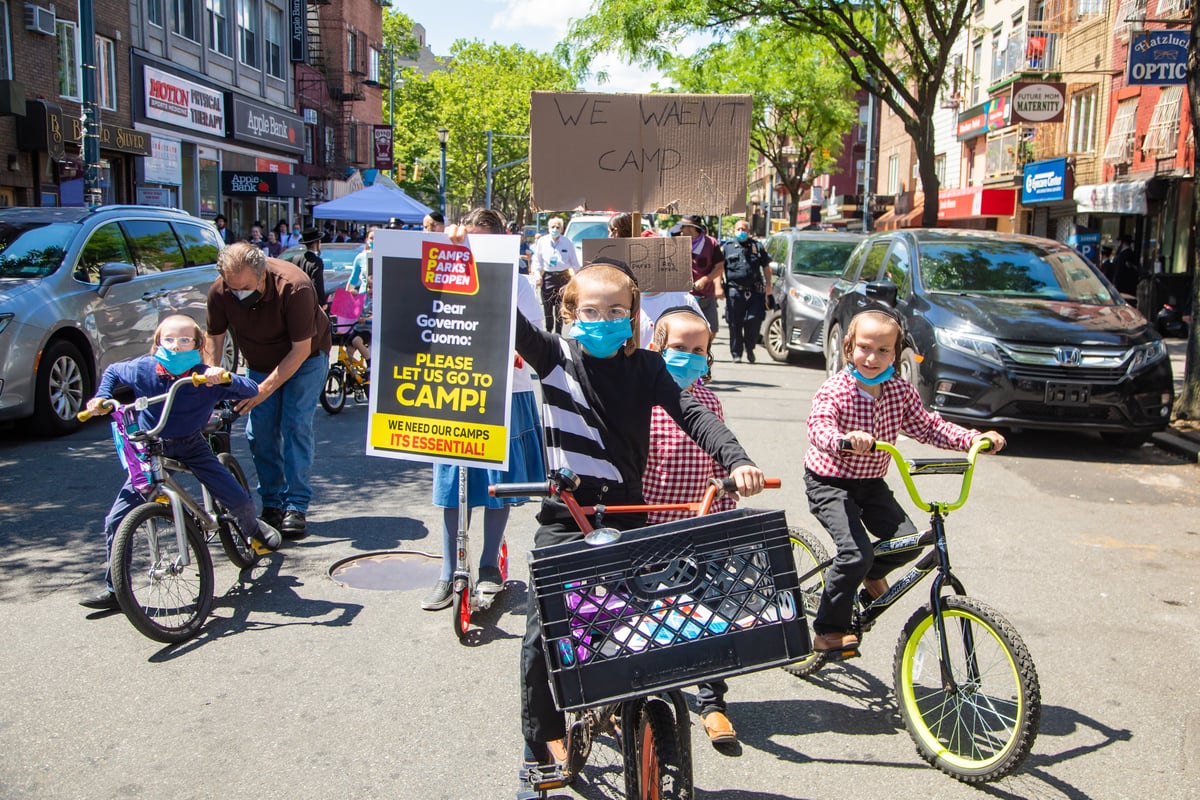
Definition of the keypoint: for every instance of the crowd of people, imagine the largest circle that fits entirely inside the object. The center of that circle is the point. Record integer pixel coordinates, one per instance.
(625, 405)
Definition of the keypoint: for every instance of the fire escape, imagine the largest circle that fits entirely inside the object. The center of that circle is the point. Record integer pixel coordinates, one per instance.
(337, 87)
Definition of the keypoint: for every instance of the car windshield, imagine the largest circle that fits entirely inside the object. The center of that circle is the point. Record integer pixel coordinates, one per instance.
(821, 258)
(33, 249)
(1011, 270)
(591, 229)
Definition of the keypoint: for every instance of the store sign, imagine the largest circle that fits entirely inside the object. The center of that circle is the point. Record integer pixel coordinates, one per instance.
(265, 126)
(298, 30)
(1038, 102)
(155, 196)
(1128, 197)
(1046, 182)
(991, 115)
(264, 184)
(976, 201)
(272, 165)
(1158, 58)
(46, 128)
(165, 164)
(382, 138)
(180, 102)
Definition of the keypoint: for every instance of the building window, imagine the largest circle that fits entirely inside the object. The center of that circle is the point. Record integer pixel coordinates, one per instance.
(308, 144)
(248, 32)
(1162, 135)
(106, 73)
(5, 43)
(351, 51)
(218, 26)
(1081, 130)
(69, 79)
(183, 22)
(939, 168)
(1171, 8)
(1130, 16)
(373, 67)
(976, 73)
(1002, 154)
(273, 39)
(893, 175)
(154, 12)
(1124, 130)
(352, 141)
(1089, 8)
(997, 55)
(863, 122)
(330, 146)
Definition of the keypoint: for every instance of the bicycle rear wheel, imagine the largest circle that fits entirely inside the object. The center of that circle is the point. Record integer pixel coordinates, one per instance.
(166, 601)
(983, 728)
(808, 553)
(333, 398)
(233, 542)
(657, 768)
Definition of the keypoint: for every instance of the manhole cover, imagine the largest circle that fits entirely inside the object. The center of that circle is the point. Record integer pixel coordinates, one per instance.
(388, 570)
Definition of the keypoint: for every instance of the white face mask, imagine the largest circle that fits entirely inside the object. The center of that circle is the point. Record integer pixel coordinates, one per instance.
(242, 294)
(555, 233)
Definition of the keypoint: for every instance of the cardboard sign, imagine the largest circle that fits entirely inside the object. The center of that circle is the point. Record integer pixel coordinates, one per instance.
(443, 338)
(671, 153)
(660, 263)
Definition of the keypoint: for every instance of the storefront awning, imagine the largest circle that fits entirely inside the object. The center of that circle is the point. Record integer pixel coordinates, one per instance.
(1127, 197)
(977, 201)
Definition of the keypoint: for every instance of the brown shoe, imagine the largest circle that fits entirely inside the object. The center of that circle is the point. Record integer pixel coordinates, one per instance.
(719, 728)
(558, 750)
(875, 587)
(835, 642)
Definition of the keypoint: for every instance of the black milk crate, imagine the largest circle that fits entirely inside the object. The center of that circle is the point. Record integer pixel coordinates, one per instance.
(668, 606)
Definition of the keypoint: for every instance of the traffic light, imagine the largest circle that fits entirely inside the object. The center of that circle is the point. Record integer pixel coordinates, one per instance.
(400, 168)
(416, 171)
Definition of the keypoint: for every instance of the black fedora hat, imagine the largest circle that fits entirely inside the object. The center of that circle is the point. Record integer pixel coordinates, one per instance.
(310, 235)
(694, 220)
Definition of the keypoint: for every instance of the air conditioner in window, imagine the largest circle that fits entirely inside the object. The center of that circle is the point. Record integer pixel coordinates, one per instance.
(39, 20)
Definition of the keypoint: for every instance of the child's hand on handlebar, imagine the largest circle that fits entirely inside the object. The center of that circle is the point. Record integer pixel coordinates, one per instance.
(996, 439)
(858, 441)
(749, 480)
(98, 406)
(216, 375)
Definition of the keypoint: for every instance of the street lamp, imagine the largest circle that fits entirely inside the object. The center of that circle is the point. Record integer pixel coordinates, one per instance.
(443, 134)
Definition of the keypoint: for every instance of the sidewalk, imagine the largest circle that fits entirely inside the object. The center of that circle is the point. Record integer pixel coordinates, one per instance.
(1182, 437)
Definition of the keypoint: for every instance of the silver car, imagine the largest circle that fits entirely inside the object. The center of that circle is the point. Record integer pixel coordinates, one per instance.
(83, 288)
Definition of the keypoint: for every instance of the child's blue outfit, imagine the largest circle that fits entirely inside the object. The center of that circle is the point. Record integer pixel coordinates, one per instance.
(181, 437)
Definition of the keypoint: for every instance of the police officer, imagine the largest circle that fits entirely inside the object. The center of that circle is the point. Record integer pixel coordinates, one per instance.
(747, 285)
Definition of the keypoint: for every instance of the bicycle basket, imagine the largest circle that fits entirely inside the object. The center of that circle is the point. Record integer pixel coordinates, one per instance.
(133, 455)
(668, 606)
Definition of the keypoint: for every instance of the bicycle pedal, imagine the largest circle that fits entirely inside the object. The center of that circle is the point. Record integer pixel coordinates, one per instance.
(547, 776)
(844, 654)
(260, 548)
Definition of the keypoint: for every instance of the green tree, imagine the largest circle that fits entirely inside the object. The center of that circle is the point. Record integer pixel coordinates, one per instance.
(798, 124)
(896, 49)
(483, 87)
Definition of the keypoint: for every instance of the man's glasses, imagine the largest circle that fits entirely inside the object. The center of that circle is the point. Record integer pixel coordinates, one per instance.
(179, 340)
(593, 314)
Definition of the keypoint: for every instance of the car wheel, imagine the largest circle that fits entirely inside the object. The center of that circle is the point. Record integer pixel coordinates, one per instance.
(231, 356)
(834, 361)
(776, 341)
(1128, 441)
(63, 388)
(909, 367)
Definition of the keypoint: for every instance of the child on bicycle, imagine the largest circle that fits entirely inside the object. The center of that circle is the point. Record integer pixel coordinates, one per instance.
(846, 490)
(175, 354)
(678, 471)
(598, 392)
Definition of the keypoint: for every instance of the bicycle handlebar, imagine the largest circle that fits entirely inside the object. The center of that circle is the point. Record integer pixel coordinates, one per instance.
(909, 468)
(547, 488)
(109, 405)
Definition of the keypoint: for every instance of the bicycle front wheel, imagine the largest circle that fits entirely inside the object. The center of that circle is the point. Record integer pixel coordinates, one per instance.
(809, 553)
(239, 551)
(333, 398)
(982, 726)
(658, 763)
(162, 598)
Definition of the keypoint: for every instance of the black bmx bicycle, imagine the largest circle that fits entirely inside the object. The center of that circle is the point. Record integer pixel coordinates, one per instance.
(965, 682)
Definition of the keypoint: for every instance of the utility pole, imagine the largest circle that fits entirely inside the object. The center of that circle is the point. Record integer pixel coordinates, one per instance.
(487, 200)
(90, 108)
(392, 88)
(443, 135)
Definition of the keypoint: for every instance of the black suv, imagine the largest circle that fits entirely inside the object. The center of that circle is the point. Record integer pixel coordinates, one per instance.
(1010, 331)
(804, 265)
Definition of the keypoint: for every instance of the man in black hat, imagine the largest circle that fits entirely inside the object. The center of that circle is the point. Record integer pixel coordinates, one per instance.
(311, 262)
(708, 265)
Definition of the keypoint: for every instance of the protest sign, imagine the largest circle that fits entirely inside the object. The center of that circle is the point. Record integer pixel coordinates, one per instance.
(660, 263)
(443, 342)
(671, 153)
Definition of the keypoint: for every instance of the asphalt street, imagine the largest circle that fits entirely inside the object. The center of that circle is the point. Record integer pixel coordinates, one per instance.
(301, 687)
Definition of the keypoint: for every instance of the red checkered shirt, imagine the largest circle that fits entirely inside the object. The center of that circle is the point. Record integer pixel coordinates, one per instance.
(678, 470)
(840, 406)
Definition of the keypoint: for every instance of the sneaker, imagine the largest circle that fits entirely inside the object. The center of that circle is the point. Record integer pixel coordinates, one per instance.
(272, 516)
(293, 525)
(105, 600)
(266, 537)
(737, 359)
(490, 581)
(438, 597)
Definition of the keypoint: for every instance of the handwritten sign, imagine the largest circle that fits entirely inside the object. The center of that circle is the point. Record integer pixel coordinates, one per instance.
(672, 153)
(661, 263)
(443, 339)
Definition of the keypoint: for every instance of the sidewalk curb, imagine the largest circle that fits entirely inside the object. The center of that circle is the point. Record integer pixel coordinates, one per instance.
(1185, 446)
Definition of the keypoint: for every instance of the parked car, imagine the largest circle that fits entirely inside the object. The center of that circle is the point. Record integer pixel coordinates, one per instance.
(338, 258)
(83, 288)
(804, 265)
(1010, 331)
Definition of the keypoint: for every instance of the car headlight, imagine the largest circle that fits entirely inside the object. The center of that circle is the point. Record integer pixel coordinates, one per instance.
(809, 298)
(4, 320)
(983, 347)
(1143, 355)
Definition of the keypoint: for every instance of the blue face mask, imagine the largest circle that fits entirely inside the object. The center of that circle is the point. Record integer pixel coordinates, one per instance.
(878, 379)
(602, 338)
(177, 363)
(742, 236)
(685, 368)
